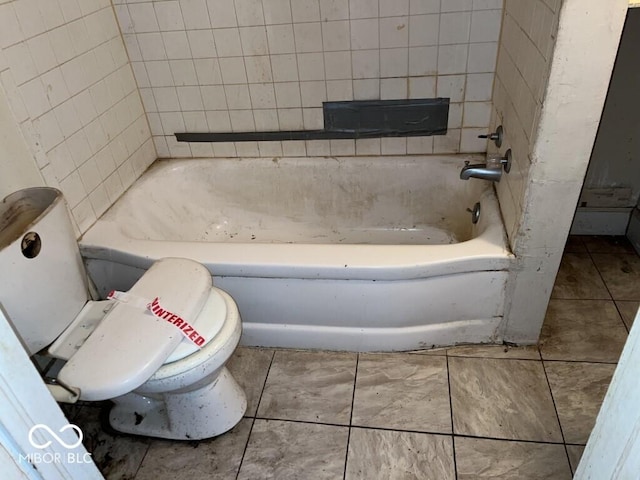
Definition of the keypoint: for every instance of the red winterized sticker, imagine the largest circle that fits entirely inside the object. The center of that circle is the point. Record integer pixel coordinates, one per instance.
(156, 309)
(184, 326)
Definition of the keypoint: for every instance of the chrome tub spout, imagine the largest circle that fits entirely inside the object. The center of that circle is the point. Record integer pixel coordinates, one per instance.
(492, 170)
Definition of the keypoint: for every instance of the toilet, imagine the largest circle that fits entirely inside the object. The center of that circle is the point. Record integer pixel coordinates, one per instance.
(157, 351)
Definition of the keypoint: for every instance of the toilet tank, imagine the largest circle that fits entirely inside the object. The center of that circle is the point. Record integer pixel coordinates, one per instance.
(42, 279)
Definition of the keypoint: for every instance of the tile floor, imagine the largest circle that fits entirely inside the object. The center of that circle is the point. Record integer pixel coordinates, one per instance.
(468, 412)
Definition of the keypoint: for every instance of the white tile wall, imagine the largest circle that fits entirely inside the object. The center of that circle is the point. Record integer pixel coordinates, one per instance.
(73, 93)
(269, 65)
(524, 61)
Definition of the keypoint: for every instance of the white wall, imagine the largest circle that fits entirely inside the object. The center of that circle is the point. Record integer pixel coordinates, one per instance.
(255, 65)
(65, 73)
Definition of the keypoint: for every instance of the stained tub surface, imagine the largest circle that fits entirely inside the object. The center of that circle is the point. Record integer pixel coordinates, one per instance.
(355, 253)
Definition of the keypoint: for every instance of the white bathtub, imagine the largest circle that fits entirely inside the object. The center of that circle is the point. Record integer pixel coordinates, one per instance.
(362, 254)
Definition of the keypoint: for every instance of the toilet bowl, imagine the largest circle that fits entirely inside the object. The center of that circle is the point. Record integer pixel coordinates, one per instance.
(189, 398)
(158, 351)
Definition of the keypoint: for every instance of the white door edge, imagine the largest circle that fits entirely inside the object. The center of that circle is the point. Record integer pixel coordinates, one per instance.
(50, 453)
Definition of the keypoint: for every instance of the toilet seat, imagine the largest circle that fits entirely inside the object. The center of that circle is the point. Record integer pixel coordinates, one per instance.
(211, 357)
(130, 344)
(208, 323)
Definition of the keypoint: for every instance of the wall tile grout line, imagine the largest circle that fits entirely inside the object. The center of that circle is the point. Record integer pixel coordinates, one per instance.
(135, 79)
(348, 85)
(58, 65)
(55, 73)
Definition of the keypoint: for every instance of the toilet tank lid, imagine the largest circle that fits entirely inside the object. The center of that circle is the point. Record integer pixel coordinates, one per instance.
(130, 344)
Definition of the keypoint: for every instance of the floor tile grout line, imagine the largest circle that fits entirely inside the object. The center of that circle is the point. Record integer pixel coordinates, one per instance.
(266, 377)
(496, 358)
(608, 299)
(593, 262)
(615, 301)
(540, 442)
(344, 425)
(453, 439)
(414, 353)
(244, 450)
(608, 290)
(555, 408)
(353, 399)
(612, 299)
(595, 362)
(255, 416)
(306, 422)
(146, 452)
(621, 316)
(566, 449)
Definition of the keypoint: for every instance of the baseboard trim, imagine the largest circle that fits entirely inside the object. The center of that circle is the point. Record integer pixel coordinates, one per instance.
(601, 221)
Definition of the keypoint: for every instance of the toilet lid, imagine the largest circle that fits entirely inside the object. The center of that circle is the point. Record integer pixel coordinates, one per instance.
(130, 344)
(208, 323)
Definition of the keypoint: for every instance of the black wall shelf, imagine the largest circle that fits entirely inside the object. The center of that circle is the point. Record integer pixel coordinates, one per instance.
(355, 119)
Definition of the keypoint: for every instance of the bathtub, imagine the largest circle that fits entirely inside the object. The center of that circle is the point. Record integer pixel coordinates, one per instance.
(356, 253)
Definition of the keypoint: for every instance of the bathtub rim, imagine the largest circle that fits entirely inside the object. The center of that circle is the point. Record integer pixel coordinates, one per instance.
(487, 251)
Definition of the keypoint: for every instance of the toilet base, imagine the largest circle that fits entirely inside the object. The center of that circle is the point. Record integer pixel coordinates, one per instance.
(204, 412)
